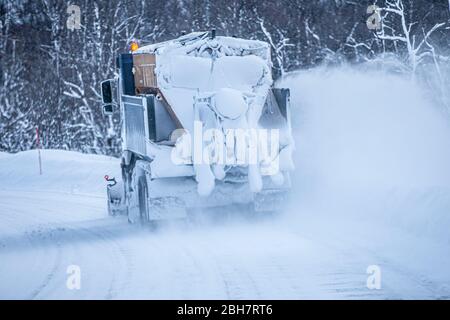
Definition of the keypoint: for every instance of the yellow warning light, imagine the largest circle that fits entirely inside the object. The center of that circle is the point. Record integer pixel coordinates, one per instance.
(134, 46)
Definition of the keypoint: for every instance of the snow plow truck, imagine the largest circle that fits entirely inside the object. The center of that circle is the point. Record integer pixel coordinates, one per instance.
(202, 126)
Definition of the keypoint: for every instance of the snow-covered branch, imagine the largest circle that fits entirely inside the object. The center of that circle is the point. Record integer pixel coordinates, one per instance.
(394, 14)
(278, 47)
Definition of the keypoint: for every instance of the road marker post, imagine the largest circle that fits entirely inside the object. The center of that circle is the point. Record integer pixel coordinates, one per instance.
(39, 150)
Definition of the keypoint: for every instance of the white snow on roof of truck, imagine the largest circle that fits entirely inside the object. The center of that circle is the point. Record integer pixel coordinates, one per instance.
(196, 41)
(219, 62)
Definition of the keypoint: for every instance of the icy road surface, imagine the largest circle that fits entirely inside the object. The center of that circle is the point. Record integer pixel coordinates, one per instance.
(44, 230)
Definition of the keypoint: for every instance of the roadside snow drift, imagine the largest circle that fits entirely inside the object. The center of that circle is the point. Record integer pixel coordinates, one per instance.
(62, 171)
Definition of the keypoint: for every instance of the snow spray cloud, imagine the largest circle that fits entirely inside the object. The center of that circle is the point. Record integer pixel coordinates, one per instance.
(229, 147)
(369, 143)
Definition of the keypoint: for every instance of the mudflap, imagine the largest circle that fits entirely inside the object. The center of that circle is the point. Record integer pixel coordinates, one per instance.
(270, 200)
(116, 201)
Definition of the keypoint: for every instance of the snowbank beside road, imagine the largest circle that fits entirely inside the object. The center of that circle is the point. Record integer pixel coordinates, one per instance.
(3, 154)
(63, 171)
(370, 146)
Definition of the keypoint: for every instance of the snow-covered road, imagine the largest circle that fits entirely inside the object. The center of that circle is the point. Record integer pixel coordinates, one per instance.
(43, 233)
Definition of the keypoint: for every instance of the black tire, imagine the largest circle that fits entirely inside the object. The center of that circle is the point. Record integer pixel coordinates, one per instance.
(143, 195)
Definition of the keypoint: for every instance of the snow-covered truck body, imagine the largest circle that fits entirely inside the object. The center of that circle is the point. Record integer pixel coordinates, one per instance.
(202, 126)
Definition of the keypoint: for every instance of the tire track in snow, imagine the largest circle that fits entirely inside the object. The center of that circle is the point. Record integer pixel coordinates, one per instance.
(12, 213)
(50, 276)
(44, 235)
(237, 280)
(397, 281)
(118, 285)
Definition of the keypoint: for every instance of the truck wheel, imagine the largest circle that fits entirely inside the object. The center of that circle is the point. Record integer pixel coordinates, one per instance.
(143, 205)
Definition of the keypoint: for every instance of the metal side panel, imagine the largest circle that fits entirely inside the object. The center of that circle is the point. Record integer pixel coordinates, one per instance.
(275, 113)
(135, 133)
(282, 97)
